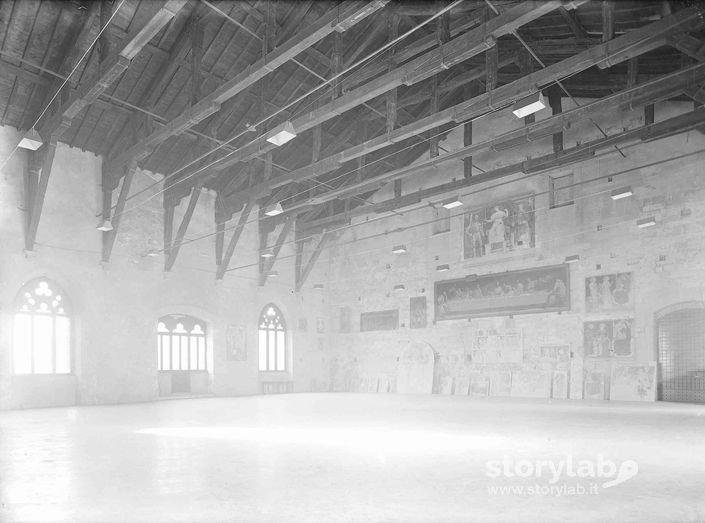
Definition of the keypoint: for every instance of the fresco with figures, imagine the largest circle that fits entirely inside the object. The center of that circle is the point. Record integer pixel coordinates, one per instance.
(608, 339)
(501, 227)
(609, 292)
(545, 289)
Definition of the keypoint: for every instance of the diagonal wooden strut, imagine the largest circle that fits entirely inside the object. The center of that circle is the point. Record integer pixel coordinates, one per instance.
(176, 245)
(303, 274)
(227, 256)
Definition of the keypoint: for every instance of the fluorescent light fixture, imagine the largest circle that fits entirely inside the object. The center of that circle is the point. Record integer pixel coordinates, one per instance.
(646, 222)
(318, 286)
(283, 134)
(443, 268)
(31, 140)
(105, 226)
(622, 192)
(272, 274)
(152, 253)
(572, 258)
(452, 203)
(399, 249)
(274, 210)
(399, 287)
(267, 253)
(529, 105)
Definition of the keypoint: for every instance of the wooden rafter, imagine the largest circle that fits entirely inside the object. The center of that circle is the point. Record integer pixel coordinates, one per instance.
(457, 50)
(181, 232)
(334, 21)
(675, 125)
(624, 47)
(108, 237)
(89, 91)
(228, 254)
(269, 262)
(38, 172)
(303, 271)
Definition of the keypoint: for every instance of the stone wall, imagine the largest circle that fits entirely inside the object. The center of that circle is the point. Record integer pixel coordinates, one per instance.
(662, 265)
(116, 305)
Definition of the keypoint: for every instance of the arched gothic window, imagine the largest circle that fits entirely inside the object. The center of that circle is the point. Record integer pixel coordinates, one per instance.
(42, 329)
(181, 343)
(272, 340)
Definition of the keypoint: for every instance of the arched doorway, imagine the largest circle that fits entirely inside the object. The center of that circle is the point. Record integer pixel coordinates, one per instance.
(680, 333)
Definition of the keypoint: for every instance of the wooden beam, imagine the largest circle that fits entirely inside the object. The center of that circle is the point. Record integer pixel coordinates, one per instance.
(555, 101)
(697, 93)
(456, 51)
(607, 20)
(219, 242)
(632, 71)
(627, 46)
(336, 20)
(391, 98)
(269, 262)
(181, 232)
(169, 208)
(304, 274)
(689, 45)
(242, 221)
(196, 30)
(672, 126)
(108, 237)
(626, 99)
(571, 18)
(40, 162)
(130, 47)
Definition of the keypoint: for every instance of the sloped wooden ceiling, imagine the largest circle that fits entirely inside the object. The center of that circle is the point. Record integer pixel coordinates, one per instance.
(190, 89)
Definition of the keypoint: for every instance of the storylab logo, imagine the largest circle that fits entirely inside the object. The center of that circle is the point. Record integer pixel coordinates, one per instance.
(566, 476)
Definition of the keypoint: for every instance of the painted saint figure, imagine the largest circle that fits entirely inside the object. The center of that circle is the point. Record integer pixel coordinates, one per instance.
(475, 237)
(497, 229)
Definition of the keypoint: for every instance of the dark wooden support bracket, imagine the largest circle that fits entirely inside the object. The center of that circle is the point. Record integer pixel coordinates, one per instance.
(109, 236)
(196, 58)
(607, 20)
(555, 101)
(268, 263)
(169, 208)
(303, 273)
(219, 242)
(228, 254)
(181, 232)
(37, 179)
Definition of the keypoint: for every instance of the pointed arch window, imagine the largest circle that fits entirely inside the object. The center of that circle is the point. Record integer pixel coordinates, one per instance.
(41, 342)
(272, 339)
(181, 343)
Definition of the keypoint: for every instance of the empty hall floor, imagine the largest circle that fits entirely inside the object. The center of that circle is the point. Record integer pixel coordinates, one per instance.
(354, 457)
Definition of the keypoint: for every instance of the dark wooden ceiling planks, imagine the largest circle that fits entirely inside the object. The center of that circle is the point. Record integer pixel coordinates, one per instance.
(158, 85)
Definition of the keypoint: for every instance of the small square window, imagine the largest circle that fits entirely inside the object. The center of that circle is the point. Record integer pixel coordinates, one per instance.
(560, 190)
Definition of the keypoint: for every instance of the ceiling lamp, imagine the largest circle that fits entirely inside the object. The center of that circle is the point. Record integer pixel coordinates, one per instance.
(529, 105)
(399, 249)
(623, 192)
(274, 210)
(572, 258)
(267, 253)
(105, 226)
(272, 274)
(443, 268)
(284, 134)
(318, 286)
(399, 287)
(452, 203)
(646, 222)
(31, 140)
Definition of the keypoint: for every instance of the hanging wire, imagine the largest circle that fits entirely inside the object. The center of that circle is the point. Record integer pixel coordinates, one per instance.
(46, 107)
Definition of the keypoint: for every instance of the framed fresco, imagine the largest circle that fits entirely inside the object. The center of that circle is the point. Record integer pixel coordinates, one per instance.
(634, 382)
(609, 292)
(546, 289)
(417, 312)
(501, 227)
(235, 343)
(493, 346)
(608, 339)
(379, 320)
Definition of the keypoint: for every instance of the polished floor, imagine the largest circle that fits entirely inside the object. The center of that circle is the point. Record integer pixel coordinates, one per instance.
(354, 457)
